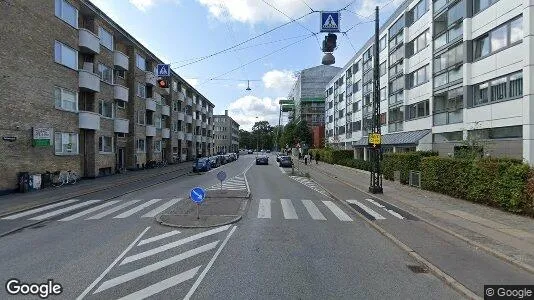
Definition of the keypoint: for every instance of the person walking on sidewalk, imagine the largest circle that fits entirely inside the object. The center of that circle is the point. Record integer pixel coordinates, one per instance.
(306, 159)
(317, 158)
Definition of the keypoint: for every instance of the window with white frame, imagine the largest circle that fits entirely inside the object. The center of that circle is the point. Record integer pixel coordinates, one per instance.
(157, 122)
(498, 38)
(420, 9)
(65, 99)
(157, 146)
(105, 109)
(498, 89)
(140, 62)
(105, 144)
(140, 145)
(66, 143)
(175, 86)
(383, 43)
(418, 110)
(67, 12)
(106, 38)
(105, 73)
(418, 77)
(141, 118)
(480, 5)
(140, 89)
(65, 55)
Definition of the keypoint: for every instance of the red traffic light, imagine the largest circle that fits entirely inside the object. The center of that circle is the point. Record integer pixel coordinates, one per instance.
(163, 83)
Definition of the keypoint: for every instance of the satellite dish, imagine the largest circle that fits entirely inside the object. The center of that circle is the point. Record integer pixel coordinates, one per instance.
(328, 59)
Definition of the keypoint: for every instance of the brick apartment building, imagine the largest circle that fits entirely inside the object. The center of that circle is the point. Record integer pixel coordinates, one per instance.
(79, 93)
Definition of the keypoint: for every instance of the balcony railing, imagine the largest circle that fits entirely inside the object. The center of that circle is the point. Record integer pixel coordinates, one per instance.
(120, 60)
(89, 120)
(88, 81)
(121, 125)
(88, 41)
(120, 92)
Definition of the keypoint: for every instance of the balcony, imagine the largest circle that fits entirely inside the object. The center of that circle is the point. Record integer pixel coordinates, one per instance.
(150, 130)
(88, 41)
(88, 81)
(180, 135)
(181, 96)
(181, 116)
(89, 120)
(150, 104)
(210, 113)
(204, 125)
(189, 101)
(121, 125)
(166, 91)
(204, 139)
(165, 110)
(166, 133)
(120, 92)
(199, 107)
(120, 60)
(188, 136)
(188, 119)
(150, 78)
(203, 110)
(198, 138)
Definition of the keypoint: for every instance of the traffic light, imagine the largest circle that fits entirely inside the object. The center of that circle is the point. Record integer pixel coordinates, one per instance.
(163, 83)
(329, 43)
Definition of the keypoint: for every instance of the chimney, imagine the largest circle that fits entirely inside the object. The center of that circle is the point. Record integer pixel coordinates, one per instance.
(225, 112)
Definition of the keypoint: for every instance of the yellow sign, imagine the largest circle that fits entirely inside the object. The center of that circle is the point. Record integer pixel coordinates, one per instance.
(375, 139)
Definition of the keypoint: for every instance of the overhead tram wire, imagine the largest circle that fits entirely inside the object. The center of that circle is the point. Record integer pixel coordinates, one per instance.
(311, 9)
(348, 39)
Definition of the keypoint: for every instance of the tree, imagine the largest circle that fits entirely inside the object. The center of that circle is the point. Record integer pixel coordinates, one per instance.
(296, 133)
(263, 133)
(246, 139)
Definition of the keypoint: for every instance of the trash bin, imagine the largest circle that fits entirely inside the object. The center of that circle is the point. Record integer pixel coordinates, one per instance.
(35, 182)
(46, 180)
(24, 182)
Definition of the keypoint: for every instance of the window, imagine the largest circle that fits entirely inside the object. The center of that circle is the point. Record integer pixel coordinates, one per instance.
(157, 146)
(418, 77)
(121, 135)
(141, 145)
(395, 118)
(140, 90)
(105, 109)
(120, 104)
(418, 44)
(65, 55)
(120, 73)
(355, 68)
(452, 57)
(396, 70)
(420, 9)
(140, 62)
(396, 84)
(383, 95)
(397, 27)
(498, 132)
(382, 44)
(480, 5)
(455, 13)
(481, 93)
(383, 119)
(356, 86)
(418, 110)
(396, 55)
(175, 86)
(105, 144)
(105, 73)
(357, 126)
(65, 99)
(157, 122)
(106, 38)
(448, 107)
(66, 12)
(141, 117)
(382, 69)
(66, 143)
(516, 85)
(397, 40)
(499, 38)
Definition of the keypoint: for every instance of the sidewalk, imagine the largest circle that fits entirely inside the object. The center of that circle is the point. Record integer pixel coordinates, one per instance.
(19, 201)
(504, 234)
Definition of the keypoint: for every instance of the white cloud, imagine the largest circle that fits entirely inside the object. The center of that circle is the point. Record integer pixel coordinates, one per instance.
(279, 80)
(241, 85)
(245, 110)
(192, 81)
(144, 5)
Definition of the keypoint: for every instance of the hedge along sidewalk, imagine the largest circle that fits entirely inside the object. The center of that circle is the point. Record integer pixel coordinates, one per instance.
(498, 231)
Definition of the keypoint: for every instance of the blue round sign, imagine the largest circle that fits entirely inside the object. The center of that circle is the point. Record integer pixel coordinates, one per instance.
(197, 195)
(221, 176)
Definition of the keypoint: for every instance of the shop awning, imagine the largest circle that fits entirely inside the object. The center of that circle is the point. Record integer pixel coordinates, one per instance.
(398, 138)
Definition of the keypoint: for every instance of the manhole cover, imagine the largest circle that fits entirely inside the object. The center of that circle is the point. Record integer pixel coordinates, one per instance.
(418, 269)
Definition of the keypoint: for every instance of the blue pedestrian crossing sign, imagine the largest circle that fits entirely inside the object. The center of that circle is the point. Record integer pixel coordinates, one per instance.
(163, 70)
(197, 195)
(330, 21)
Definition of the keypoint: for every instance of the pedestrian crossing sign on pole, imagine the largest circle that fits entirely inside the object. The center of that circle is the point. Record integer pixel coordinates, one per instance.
(330, 21)
(163, 70)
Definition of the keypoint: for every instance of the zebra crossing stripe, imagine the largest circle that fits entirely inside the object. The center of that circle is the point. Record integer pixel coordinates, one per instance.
(264, 211)
(162, 285)
(313, 210)
(64, 210)
(288, 209)
(90, 210)
(158, 237)
(154, 267)
(341, 215)
(392, 212)
(371, 212)
(136, 209)
(39, 209)
(112, 210)
(161, 208)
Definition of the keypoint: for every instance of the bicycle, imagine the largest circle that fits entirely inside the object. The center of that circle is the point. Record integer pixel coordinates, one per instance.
(63, 177)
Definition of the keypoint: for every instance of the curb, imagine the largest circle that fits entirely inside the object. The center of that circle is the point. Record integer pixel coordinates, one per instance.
(491, 251)
(158, 219)
(453, 283)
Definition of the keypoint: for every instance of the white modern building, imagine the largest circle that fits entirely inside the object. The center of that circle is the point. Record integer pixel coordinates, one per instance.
(450, 71)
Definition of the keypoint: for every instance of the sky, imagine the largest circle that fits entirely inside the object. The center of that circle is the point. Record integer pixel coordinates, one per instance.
(178, 31)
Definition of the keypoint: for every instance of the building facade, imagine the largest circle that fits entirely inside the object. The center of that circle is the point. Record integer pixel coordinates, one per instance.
(80, 93)
(451, 74)
(226, 134)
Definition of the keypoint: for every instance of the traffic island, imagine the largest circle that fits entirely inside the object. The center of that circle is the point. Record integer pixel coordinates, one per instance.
(220, 207)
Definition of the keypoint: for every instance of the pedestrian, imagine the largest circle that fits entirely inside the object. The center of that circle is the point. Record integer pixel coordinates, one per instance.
(317, 158)
(306, 159)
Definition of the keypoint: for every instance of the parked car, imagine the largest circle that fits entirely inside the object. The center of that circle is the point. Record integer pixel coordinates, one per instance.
(285, 161)
(250, 151)
(222, 159)
(215, 162)
(268, 151)
(229, 157)
(278, 157)
(262, 160)
(203, 165)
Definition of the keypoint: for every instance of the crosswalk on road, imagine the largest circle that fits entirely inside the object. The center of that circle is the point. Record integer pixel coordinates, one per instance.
(236, 183)
(310, 184)
(310, 207)
(370, 207)
(116, 209)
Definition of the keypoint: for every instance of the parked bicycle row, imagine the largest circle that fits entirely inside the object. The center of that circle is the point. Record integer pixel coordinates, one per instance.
(28, 182)
(205, 164)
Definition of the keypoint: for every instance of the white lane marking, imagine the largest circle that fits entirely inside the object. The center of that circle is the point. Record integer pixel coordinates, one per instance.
(63, 210)
(106, 271)
(367, 209)
(375, 203)
(154, 267)
(136, 209)
(158, 237)
(39, 209)
(288, 209)
(173, 244)
(112, 210)
(205, 271)
(161, 208)
(282, 169)
(264, 211)
(314, 212)
(340, 214)
(394, 213)
(90, 210)
(162, 285)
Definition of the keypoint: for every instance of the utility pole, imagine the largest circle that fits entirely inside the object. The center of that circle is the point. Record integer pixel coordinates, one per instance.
(375, 186)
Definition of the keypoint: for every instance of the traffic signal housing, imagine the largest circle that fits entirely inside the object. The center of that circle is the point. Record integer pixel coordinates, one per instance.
(163, 83)
(330, 43)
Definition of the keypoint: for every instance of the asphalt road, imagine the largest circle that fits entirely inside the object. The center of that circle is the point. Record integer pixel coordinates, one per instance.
(295, 242)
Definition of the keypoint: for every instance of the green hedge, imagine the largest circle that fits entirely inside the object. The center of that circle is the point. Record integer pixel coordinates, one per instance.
(331, 156)
(496, 182)
(356, 163)
(403, 162)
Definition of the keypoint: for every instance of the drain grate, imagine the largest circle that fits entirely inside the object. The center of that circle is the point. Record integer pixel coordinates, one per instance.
(417, 268)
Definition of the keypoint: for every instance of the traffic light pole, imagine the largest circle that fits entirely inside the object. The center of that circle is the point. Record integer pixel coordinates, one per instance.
(375, 186)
